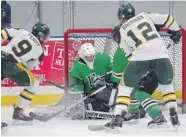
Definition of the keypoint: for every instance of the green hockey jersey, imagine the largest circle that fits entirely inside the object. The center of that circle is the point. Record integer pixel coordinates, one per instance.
(83, 79)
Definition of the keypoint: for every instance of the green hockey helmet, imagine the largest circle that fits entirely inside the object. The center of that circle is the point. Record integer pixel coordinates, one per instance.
(41, 31)
(126, 11)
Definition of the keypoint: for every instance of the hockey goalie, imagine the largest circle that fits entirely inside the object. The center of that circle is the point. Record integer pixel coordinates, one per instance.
(93, 72)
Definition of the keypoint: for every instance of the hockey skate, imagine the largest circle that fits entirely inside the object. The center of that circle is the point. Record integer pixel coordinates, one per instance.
(114, 124)
(159, 121)
(132, 117)
(3, 127)
(174, 117)
(20, 118)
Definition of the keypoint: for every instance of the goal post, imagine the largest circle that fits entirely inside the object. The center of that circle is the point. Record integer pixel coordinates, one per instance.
(99, 37)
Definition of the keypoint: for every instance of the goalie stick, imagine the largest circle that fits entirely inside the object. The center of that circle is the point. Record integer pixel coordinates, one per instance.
(47, 117)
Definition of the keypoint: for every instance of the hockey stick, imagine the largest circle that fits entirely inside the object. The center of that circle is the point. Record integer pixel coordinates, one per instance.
(47, 81)
(47, 117)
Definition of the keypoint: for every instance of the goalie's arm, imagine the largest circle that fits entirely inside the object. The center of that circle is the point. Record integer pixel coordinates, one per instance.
(76, 84)
(121, 56)
(120, 61)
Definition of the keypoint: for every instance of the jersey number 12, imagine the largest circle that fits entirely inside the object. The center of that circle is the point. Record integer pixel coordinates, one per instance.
(144, 33)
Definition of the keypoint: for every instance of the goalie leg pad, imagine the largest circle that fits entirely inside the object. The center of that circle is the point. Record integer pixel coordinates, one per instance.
(107, 96)
(97, 105)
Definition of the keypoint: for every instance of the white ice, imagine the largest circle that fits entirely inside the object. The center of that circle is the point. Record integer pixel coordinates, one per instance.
(59, 127)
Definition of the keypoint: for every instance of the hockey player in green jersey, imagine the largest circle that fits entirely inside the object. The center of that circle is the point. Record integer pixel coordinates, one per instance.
(91, 71)
(149, 59)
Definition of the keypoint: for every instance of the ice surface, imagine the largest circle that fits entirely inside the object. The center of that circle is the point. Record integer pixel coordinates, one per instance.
(60, 127)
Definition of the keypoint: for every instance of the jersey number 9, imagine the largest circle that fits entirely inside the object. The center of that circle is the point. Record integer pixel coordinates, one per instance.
(144, 33)
(23, 48)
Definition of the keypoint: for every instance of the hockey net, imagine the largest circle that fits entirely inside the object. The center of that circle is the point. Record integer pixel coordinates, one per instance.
(100, 38)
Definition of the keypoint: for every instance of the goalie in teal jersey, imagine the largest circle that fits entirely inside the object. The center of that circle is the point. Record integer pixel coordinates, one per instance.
(92, 71)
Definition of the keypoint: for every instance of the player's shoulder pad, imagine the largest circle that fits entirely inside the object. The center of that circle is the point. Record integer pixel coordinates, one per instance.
(73, 66)
(76, 66)
(23, 31)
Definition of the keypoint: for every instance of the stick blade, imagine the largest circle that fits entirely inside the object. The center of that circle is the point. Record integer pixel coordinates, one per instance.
(96, 127)
(43, 118)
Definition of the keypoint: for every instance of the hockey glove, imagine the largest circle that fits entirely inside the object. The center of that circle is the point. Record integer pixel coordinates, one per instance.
(148, 82)
(109, 84)
(175, 35)
(116, 34)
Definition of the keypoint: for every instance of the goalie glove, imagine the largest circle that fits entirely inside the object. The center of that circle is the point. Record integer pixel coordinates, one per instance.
(174, 35)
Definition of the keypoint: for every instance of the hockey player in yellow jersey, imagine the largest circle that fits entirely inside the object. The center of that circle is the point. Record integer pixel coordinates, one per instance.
(23, 52)
(149, 63)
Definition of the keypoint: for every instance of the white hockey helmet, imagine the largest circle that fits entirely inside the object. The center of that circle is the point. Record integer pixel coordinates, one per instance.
(87, 53)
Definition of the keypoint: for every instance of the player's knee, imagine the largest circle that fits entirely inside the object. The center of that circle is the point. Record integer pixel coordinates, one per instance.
(120, 108)
(28, 93)
(169, 95)
(148, 83)
(124, 90)
(123, 98)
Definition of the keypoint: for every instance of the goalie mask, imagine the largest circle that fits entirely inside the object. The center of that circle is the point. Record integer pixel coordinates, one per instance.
(87, 53)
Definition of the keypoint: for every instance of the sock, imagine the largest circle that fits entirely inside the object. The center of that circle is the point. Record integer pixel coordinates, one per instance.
(169, 96)
(25, 98)
(149, 105)
(134, 106)
(123, 99)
